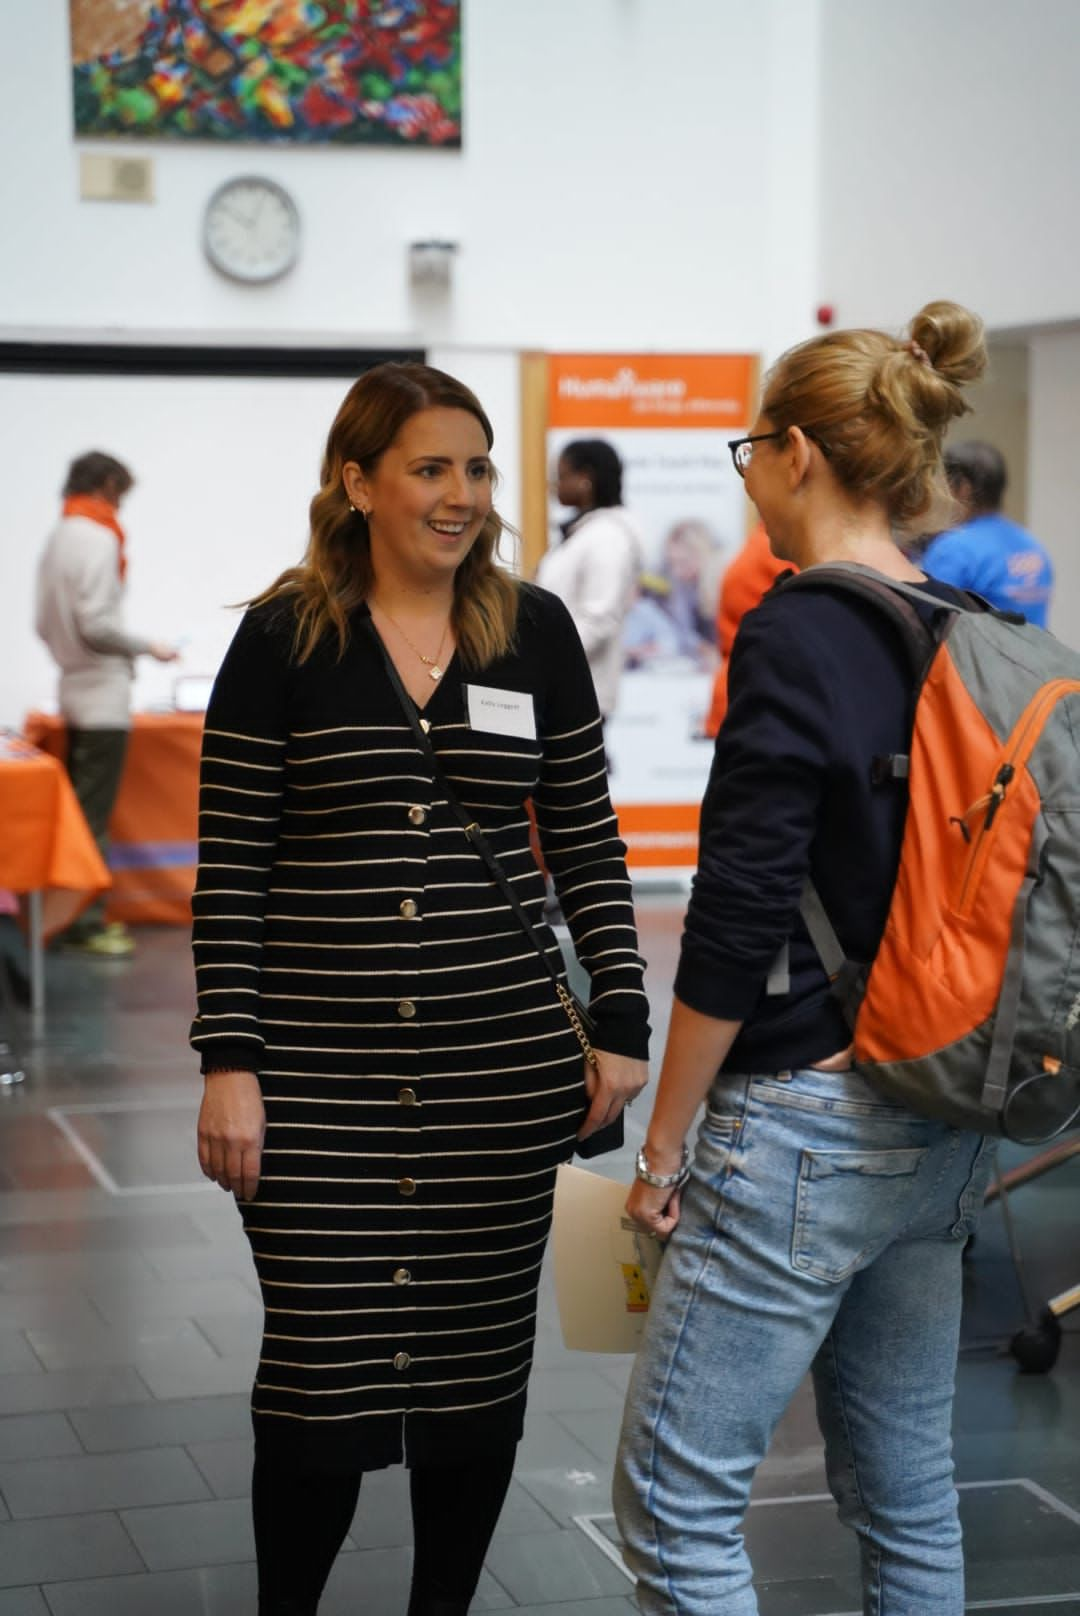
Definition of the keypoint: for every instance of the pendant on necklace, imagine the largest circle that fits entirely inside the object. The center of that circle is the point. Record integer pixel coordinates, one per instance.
(435, 672)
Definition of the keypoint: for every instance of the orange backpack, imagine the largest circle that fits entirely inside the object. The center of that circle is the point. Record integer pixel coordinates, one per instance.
(970, 1011)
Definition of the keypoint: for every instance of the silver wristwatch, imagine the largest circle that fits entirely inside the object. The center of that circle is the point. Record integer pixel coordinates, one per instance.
(662, 1181)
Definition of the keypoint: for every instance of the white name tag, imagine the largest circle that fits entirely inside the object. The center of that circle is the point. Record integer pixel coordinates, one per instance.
(501, 712)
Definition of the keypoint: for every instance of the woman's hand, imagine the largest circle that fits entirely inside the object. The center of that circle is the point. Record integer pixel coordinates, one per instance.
(654, 1211)
(697, 1046)
(610, 1084)
(232, 1122)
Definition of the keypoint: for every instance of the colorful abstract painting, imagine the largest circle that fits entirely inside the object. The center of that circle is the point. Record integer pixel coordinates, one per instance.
(347, 71)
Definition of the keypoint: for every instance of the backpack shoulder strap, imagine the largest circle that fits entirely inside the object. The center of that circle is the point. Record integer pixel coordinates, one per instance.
(893, 600)
(889, 595)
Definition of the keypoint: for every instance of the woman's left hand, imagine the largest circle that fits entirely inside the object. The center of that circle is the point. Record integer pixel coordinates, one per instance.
(611, 1084)
(655, 1211)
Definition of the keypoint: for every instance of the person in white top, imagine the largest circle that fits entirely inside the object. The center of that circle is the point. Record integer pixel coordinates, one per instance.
(594, 570)
(79, 615)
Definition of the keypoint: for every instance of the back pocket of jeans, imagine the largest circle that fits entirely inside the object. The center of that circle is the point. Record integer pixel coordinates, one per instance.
(849, 1206)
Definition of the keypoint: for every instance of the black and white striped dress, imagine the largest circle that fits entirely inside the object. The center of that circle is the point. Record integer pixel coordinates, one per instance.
(421, 1080)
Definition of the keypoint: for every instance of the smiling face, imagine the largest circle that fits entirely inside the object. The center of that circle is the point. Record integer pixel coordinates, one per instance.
(427, 497)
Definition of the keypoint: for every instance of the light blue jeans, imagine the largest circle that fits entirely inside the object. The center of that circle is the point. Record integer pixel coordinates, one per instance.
(822, 1229)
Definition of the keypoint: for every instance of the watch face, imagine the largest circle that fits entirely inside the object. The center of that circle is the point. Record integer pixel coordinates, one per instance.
(252, 230)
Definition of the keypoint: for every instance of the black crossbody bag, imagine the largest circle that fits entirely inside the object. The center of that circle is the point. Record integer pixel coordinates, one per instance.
(604, 1139)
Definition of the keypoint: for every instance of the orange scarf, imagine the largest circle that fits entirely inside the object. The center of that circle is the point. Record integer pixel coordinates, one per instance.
(97, 509)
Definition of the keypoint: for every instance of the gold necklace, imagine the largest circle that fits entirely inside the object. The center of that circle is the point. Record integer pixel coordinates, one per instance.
(430, 663)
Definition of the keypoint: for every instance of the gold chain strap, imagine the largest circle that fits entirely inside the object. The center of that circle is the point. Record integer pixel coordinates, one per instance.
(575, 1021)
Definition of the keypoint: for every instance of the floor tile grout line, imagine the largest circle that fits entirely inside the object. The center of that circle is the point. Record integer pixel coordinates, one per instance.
(576, 1435)
(511, 1602)
(122, 1576)
(100, 1311)
(539, 1502)
(197, 1326)
(25, 1333)
(65, 1415)
(124, 1528)
(213, 1493)
(82, 1149)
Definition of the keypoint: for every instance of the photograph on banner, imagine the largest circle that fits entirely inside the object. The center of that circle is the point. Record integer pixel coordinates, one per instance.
(668, 418)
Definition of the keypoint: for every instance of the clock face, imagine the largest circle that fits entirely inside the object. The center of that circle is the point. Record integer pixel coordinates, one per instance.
(252, 230)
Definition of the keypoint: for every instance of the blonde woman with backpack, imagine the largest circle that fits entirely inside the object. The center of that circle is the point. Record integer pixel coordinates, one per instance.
(818, 1225)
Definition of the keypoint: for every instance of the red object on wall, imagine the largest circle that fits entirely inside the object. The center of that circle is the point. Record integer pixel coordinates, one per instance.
(825, 314)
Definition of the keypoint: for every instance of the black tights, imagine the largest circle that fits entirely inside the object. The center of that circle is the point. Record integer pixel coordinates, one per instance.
(301, 1518)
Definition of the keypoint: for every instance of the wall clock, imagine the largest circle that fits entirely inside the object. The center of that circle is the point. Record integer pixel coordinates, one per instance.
(251, 230)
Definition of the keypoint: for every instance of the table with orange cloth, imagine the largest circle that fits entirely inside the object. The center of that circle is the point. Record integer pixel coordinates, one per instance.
(46, 849)
(153, 832)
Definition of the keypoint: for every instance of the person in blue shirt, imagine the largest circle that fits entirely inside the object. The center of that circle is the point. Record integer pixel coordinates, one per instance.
(986, 552)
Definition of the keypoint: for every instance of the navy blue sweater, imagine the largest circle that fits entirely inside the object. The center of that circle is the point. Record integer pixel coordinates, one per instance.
(819, 685)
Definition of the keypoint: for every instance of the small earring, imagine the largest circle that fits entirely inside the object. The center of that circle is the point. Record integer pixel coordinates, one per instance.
(352, 507)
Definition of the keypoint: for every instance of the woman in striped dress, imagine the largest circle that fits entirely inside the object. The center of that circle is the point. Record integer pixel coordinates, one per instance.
(390, 1078)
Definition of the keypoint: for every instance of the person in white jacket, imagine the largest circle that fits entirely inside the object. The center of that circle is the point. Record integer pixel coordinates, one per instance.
(80, 591)
(595, 569)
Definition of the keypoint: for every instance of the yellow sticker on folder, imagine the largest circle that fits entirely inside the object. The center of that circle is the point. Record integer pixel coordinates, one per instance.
(637, 1288)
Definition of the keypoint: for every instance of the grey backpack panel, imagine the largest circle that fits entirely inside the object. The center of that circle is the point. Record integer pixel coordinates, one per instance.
(1018, 1072)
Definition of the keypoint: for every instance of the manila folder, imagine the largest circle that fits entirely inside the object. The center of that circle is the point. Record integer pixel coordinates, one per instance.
(605, 1268)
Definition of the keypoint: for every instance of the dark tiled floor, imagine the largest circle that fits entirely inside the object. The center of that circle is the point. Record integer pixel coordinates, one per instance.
(129, 1322)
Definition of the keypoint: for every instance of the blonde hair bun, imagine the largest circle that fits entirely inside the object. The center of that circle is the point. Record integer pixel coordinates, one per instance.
(920, 379)
(953, 340)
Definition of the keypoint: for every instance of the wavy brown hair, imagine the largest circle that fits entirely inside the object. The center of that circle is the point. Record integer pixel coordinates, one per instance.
(336, 573)
(878, 406)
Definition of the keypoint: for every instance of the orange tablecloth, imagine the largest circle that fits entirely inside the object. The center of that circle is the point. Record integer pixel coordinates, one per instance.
(153, 832)
(45, 843)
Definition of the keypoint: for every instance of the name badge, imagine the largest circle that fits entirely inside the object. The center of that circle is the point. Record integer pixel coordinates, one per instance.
(501, 712)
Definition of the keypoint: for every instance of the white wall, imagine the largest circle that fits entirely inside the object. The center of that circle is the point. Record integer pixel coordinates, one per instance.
(950, 158)
(629, 174)
(1054, 468)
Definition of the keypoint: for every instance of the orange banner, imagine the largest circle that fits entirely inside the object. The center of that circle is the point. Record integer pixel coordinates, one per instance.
(651, 390)
(660, 835)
